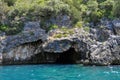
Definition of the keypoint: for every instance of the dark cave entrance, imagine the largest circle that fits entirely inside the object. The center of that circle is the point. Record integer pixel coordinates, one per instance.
(68, 57)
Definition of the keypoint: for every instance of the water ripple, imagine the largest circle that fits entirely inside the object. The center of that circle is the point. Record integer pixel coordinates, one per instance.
(59, 72)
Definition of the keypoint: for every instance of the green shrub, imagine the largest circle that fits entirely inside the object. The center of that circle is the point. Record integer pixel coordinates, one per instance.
(34, 10)
(87, 29)
(60, 35)
(64, 32)
(4, 27)
(70, 32)
(74, 8)
(106, 7)
(75, 14)
(92, 5)
(79, 24)
(10, 30)
(67, 30)
(14, 13)
(53, 27)
(100, 1)
(95, 16)
(4, 9)
(116, 8)
(9, 2)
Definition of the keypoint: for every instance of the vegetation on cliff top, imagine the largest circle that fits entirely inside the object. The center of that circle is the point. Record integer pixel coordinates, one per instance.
(14, 13)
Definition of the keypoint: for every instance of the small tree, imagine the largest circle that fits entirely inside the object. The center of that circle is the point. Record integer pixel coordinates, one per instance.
(3, 12)
(116, 8)
(9, 2)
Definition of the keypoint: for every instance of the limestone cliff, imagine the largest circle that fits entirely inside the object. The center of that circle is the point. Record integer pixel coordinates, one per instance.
(99, 46)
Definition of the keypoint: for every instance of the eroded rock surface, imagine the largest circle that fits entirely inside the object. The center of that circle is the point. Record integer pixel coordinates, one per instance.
(34, 45)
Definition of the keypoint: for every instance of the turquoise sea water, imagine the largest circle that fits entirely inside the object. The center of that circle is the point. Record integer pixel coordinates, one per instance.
(59, 72)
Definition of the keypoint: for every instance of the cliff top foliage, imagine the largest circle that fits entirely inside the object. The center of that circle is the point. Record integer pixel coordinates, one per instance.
(14, 13)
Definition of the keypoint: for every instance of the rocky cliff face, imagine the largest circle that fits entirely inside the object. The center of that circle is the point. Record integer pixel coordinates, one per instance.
(100, 46)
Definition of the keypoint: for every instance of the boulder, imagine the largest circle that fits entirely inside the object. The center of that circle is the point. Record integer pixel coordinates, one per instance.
(21, 47)
(31, 33)
(116, 24)
(101, 34)
(57, 46)
(107, 53)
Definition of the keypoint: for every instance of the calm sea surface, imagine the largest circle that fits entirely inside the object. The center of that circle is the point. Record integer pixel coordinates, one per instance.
(59, 72)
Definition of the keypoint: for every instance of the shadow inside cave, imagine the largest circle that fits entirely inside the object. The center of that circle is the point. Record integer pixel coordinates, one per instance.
(68, 57)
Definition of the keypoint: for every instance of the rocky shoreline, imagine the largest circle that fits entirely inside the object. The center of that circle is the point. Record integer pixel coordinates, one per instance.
(99, 46)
